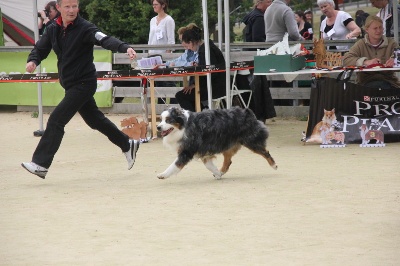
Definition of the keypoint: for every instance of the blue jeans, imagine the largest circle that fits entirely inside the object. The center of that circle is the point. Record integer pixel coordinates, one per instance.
(78, 98)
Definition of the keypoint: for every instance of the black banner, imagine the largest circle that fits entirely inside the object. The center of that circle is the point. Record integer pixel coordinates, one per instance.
(134, 73)
(37, 77)
(343, 112)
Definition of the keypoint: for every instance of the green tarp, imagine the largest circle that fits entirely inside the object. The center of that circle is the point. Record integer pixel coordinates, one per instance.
(18, 93)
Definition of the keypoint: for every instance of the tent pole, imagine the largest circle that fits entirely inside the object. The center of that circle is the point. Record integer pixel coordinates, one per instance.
(227, 54)
(395, 21)
(39, 132)
(207, 50)
(220, 24)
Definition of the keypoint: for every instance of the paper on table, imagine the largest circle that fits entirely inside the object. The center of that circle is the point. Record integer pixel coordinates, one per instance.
(282, 48)
(150, 62)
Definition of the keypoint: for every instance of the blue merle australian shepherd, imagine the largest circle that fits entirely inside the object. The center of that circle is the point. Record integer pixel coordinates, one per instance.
(210, 132)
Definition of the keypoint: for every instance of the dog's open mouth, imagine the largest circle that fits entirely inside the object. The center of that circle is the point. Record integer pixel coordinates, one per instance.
(166, 132)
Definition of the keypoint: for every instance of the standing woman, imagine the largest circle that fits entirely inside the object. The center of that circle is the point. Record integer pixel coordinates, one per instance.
(305, 28)
(192, 39)
(47, 16)
(162, 31)
(309, 16)
(162, 27)
(337, 25)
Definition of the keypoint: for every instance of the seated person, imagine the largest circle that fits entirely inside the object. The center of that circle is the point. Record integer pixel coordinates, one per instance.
(189, 57)
(186, 97)
(374, 49)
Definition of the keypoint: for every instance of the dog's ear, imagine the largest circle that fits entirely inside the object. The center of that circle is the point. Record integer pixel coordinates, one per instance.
(178, 116)
(173, 111)
(180, 120)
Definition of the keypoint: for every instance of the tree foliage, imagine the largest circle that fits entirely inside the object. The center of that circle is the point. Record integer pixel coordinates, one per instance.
(302, 5)
(124, 19)
(130, 20)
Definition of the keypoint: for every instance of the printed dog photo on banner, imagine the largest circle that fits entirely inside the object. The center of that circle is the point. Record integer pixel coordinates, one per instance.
(348, 113)
(327, 131)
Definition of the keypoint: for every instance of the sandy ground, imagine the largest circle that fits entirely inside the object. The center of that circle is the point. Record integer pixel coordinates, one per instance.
(321, 207)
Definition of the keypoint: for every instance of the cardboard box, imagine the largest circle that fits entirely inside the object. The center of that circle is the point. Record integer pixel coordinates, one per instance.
(278, 63)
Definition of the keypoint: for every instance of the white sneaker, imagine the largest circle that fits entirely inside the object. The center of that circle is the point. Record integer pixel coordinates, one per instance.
(131, 154)
(35, 169)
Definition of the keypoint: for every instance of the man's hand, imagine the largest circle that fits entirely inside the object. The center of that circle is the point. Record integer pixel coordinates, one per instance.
(188, 89)
(389, 62)
(30, 67)
(372, 62)
(131, 53)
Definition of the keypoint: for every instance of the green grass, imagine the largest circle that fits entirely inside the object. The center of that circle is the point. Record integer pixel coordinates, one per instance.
(131, 100)
(303, 118)
(238, 30)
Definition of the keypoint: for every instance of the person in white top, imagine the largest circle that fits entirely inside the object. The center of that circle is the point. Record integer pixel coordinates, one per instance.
(386, 14)
(337, 25)
(162, 27)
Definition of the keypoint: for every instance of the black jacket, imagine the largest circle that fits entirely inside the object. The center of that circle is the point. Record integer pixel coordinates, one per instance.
(255, 27)
(73, 46)
(218, 79)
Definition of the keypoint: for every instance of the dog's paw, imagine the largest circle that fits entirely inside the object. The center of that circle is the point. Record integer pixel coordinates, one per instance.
(218, 176)
(217, 173)
(162, 176)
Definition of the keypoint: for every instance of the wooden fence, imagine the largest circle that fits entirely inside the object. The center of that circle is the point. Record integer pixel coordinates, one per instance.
(131, 92)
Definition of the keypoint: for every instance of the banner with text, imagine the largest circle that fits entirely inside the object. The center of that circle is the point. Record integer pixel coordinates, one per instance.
(343, 113)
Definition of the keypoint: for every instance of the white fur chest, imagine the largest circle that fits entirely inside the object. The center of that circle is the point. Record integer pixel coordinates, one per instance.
(172, 140)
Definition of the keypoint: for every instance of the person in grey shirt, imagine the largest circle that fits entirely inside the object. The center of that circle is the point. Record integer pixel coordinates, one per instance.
(279, 19)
